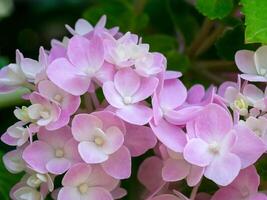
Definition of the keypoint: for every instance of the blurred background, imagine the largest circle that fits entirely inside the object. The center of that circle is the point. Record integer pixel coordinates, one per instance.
(201, 48)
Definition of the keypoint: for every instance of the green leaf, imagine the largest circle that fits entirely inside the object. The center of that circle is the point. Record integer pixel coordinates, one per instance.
(214, 9)
(230, 42)
(3, 61)
(161, 42)
(256, 24)
(119, 13)
(177, 61)
(7, 180)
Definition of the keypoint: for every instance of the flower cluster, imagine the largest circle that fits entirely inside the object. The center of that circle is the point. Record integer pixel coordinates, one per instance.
(100, 97)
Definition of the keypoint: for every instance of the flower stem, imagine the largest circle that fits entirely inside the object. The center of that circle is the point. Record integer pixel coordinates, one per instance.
(194, 191)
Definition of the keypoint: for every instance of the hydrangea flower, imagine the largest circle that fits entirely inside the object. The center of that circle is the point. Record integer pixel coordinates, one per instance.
(101, 137)
(59, 152)
(85, 182)
(244, 187)
(252, 64)
(219, 147)
(126, 94)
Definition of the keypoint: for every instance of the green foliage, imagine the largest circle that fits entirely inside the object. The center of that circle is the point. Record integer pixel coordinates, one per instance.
(214, 9)
(120, 13)
(3, 61)
(230, 42)
(7, 181)
(256, 24)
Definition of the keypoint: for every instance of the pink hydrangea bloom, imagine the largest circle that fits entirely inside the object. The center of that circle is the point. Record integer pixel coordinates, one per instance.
(16, 135)
(59, 152)
(244, 187)
(83, 27)
(42, 112)
(252, 64)
(85, 59)
(101, 137)
(221, 148)
(85, 182)
(68, 103)
(176, 168)
(125, 94)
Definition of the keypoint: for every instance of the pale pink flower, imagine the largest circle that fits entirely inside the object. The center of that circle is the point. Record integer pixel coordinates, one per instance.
(13, 160)
(150, 173)
(101, 137)
(68, 103)
(42, 112)
(124, 51)
(244, 187)
(32, 186)
(16, 135)
(125, 94)
(87, 182)
(166, 197)
(258, 126)
(83, 27)
(252, 64)
(139, 139)
(169, 103)
(176, 168)
(58, 149)
(256, 97)
(150, 64)
(85, 61)
(221, 148)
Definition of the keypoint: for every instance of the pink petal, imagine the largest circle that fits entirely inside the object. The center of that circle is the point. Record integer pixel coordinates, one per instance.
(77, 175)
(253, 78)
(157, 111)
(135, 114)
(69, 193)
(7, 139)
(259, 196)
(173, 94)
(213, 123)
(100, 178)
(139, 139)
(127, 82)
(58, 165)
(195, 94)
(84, 125)
(32, 156)
(70, 103)
(115, 139)
(149, 173)
(247, 178)
(244, 60)
(175, 170)
(67, 77)
(97, 193)
(197, 153)
(172, 136)
(106, 73)
(223, 169)
(260, 58)
(71, 151)
(182, 116)
(110, 119)
(248, 146)
(166, 197)
(147, 87)
(112, 95)
(119, 164)
(194, 175)
(91, 153)
(86, 54)
(227, 193)
(60, 136)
